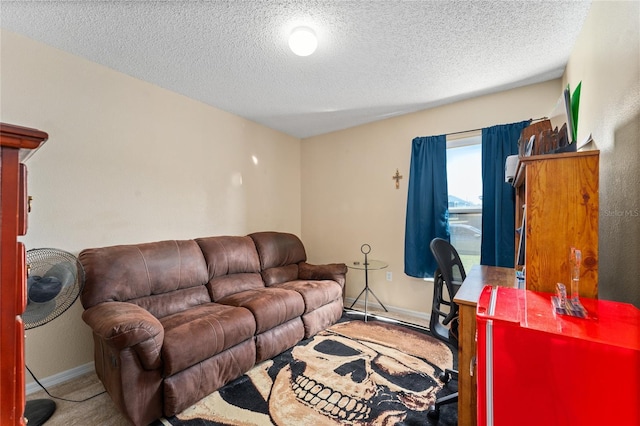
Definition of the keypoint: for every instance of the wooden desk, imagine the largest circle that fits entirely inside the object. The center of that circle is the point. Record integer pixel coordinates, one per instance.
(467, 299)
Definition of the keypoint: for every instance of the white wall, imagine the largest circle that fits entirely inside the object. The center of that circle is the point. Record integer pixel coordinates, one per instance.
(606, 58)
(129, 162)
(349, 197)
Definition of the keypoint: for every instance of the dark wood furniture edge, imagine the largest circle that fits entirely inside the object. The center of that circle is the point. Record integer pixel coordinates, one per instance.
(22, 137)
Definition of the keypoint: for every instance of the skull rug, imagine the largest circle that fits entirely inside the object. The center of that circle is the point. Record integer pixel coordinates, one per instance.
(353, 373)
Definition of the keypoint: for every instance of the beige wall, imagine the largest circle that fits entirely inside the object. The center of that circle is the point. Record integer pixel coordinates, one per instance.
(129, 162)
(606, 58)
(350, 172)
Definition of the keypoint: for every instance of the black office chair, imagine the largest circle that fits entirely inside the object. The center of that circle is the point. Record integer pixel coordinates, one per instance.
(443, 323)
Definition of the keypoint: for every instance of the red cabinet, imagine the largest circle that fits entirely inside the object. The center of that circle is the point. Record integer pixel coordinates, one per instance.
(16, 144)
(538, 367)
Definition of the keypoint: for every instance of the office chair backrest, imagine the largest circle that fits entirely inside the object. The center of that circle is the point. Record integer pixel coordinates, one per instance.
(449, 262)
(450, 273)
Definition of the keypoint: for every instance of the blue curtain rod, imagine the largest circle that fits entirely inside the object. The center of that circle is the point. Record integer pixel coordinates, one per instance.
(475, 130)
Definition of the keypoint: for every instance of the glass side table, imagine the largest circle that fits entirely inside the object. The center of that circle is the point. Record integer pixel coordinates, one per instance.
(366, 266)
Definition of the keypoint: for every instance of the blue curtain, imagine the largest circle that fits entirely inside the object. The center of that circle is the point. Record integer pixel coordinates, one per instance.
(427, 204)
(498, 197)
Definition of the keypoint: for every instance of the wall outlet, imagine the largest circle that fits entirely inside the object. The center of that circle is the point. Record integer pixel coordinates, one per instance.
(389, 276)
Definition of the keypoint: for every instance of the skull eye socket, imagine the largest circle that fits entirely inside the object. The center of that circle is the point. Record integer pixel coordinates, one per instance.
(401, 375)
(356, 369)
(333, 347)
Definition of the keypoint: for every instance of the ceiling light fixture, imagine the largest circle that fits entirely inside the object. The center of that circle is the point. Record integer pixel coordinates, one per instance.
(303, 41)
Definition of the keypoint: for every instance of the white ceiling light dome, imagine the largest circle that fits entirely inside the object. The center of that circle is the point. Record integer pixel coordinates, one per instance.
(303, 41)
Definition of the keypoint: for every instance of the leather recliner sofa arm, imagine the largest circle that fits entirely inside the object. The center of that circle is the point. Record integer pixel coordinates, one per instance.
(125, 325)
(332, 271)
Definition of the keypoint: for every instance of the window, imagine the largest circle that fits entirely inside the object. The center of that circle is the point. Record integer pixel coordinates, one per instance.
(464, 180)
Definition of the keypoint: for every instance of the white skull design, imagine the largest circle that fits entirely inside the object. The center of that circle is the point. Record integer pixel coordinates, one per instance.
(360, 383)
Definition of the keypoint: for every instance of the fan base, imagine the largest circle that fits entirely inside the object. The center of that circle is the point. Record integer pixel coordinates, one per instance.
(39, 411)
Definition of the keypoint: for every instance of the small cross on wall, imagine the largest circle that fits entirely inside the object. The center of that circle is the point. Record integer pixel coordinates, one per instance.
(397, 178)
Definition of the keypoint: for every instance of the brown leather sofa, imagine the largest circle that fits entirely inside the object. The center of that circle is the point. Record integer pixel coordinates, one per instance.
(173, 321)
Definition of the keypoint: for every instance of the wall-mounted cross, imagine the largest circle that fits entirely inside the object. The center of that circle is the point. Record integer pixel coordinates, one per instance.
(397, 178)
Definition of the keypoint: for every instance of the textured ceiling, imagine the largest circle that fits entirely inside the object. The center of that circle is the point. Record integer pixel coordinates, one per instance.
(375, 59)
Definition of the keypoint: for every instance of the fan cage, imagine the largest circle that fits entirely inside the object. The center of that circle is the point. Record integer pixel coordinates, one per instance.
(41, 262)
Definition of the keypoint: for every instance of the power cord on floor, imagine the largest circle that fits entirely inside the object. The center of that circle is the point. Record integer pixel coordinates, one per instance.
(57, 397)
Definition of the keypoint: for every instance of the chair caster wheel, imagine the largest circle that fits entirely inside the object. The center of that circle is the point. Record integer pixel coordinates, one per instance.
(433, 413)
(444, 377)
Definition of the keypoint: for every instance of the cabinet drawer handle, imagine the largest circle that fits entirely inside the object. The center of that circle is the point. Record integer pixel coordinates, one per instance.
(29, 199)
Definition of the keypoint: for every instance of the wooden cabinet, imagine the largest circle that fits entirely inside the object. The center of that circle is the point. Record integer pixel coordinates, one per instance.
(559, 193)
(16, 144)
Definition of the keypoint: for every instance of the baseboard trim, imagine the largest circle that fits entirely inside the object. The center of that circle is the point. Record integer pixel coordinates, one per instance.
(59, 378)
(360, 305)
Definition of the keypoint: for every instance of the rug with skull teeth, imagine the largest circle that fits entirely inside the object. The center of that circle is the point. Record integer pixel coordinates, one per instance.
(353, 373)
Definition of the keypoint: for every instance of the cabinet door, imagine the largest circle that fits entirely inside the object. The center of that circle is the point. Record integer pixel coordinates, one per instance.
(562, 212)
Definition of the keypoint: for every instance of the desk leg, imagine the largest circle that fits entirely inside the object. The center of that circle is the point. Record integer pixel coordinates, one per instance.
(467, 392)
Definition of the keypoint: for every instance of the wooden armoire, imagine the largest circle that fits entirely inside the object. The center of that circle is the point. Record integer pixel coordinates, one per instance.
(16, 145)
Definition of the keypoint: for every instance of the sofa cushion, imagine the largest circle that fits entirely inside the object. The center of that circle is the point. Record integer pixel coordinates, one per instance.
(161, 305)
(127, 272)
(279, 339)
(229, 255)
(226, 285)
(314, 293)
(278, 249)
(201, 332)
(232, 264)
(322, 318)
(188, 386)
(270, 306)
(280, 274)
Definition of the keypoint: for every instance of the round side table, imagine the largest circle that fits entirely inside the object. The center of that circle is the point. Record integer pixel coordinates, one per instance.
(366, 266)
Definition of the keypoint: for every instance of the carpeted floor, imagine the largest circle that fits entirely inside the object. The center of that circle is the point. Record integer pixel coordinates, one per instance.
(396, 368)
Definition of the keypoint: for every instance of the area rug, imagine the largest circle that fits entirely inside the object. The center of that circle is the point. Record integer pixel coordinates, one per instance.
(353, 373)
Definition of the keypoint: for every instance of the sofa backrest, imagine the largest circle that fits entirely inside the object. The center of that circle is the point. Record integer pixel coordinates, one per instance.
(279, 254)
(232, 264)
(163, 277)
